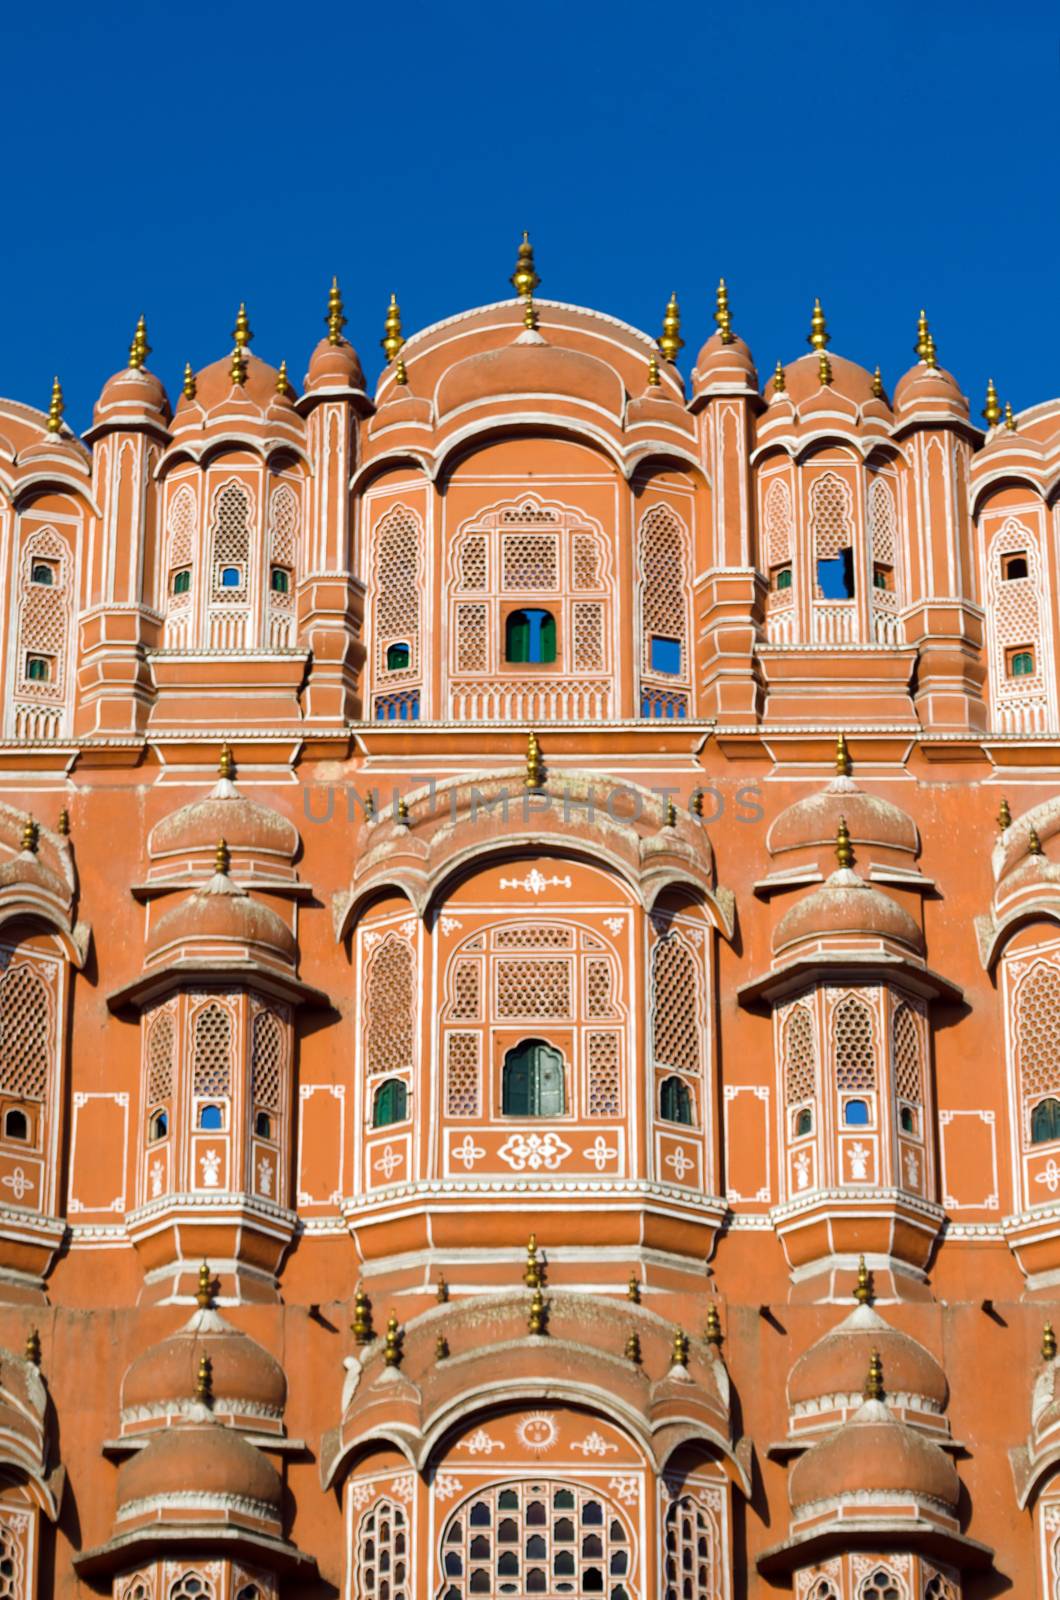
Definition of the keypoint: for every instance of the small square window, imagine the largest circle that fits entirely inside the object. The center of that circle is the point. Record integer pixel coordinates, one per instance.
(1020, 662)
(231, 577)
(280, 580)
(1014, 566)
(182, 581)
(38, 669)
(665, 655)
(780, 578)
(835, 576)
(882, 577)
(43, 572)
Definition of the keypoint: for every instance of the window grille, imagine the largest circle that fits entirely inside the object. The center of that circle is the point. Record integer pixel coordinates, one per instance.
(676, 1018)
(855, 1056)
(390, 1007)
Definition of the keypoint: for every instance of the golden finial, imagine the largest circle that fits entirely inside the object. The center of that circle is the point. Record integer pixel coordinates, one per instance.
(401, 374)
(139, 350)
(442, 1291)
(534, 769)
(931, 355)
(524, 280)
(222, 859)
(877, 384)
(679, 1352)
(241, 332)
(633, 1289)
(1034, 844)
(33, 1347)
(335, 319)
(844, 853)
(189, 382)
(1048, 1343)
(392, 339)
(722, 314)
(403, 812)
(922, 335)
(392, 1342)
(55, 407)
(991, 410)
(226, 766)
(238, 370)
(30, 836)
(534, 1275)
(369, 806)
(671, 813)
(538, 1316)
(670, 340)
(204, 1292)
(529, 313)
(441, 1348)
(653, 371)
(283, 382)
(361, 1326)
(713, 1326)
(64, 823)
(842, 756)
(204, 1381)
(633, 1348)
(818, 335)
(1010, 420)
(873, 1389)
(697, 803)
(1004, 815)
(863, 1287)
(780, 382)
(824, 368)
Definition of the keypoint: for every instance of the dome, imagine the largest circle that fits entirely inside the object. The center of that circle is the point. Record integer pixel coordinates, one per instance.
(224, 814)
(873, 1453)
(924, 387)
(244, 1376)
(724, 366)
(836, 1364)
(334, 366)
(129, 396)
(846, 904)
(209, 1461)
(222, 914)
(214, 389)
(532, 368)
(871, 821)
(802, 380)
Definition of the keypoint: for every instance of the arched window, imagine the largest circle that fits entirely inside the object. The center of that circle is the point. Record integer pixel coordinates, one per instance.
(882, 1585)
(211, 1118)
(1045, 1121)
(1014, 566)
(191, 1587)
(691, 1551)
(856, 1113)
(231, 541)
(390, 1008)
(158, 1126)
(552, 1539)
(182, 581)
(677, 1025)
(42, 573)
(383, 1554)
(782, 578)
(263, 1125)
(231, 577)
(390, 1103)
(397, 590)
(831, 521)
(675, 1101)
(25, 1035)
(38, 669)
(280, 580)
(16, 1124)
(1021, 664)
(530, 636)
(532, 1081)
(398, 656)
(803, 1122)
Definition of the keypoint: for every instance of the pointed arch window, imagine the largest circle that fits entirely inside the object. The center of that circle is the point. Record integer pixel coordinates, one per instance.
(532, 1081)
(390, 1104)
(675, 1102)
(1045, 1121)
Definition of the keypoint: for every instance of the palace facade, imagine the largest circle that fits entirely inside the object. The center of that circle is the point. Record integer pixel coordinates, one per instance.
(530, 984)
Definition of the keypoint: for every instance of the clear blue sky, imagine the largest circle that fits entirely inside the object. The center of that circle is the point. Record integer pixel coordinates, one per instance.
(176, 159)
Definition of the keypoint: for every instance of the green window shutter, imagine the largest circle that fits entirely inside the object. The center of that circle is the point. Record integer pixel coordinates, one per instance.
(549, 1082)
(391, 1103)
(517, 637)
(548, 637)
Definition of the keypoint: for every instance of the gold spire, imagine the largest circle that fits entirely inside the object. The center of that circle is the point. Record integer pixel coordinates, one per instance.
(204, 1381)
(538, 1316)
(842, 756)
(824, 368)
(670, 340)
(204, 1292)
(534, 768)
(671, 813)
(844, 854)
(524, 280)
(991, 409)
(30, 836)
(653, 371)
(64, 823)
(392, 1342)
(238, 370)
(722, 314)
(534, 1275)
(529, 313)
(1034, 844)
(1010, 420)
(931, 357)
(874, 1380)
(697, 802)
(863, 1287)
(241, 332)
(818, 335)
(403, 812)
(923, 334)
(335, 319)
(633, 1290)
(55, 407)
(780, 382)
(222, 859)
(713, 1326)
(283, 382)
(1004, 815)
(189, 382)
(226, 766)
(441, 1348)
(392, 339)
(1048, 1343)
(679, 1352)
(33, 1347)
(361, 1326)
(442, 1290)
(633, 1348)
(877, 384)
(400, 371)
(139, 350)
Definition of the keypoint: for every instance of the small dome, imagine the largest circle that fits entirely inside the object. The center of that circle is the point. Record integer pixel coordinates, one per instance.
(334, 366)
(244, 1376)
(930, 389)
(812, 822)
(724, 366)
(217, 916)
(130, 395)
(214, 388)
(836, 1364)
(224, 814)
(802, 380)
(877, 1454)
(211, 1462)
(846, 904)
(538, 368)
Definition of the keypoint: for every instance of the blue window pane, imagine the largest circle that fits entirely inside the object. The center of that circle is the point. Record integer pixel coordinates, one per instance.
(231, 577)
(665, 654)
(835, 576)
(211, 1118)
(856, 1113)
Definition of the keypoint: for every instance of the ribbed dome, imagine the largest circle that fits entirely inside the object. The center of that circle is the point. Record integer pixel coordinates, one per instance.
(133, 392)
(873, 1452)
(334, 366)
(928, 388)
(837, 1364)
(224, 814)
(802, 380)
(211, 1461)
(532, 368)
(243, 1375)
(727, 365)
(214, 388)
(847, 905)
(813, 821)
(216, 916)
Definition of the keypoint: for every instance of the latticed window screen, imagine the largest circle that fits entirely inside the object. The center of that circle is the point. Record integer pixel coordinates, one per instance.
(800, 1057)
(532, 938)
(466, 991)
(181, 529)
(530, 561)
(471, 642)
(533, 988)
(462, 1074)
(283, 525)
(831, 516)
(664, 576)
(689, 1551)
(823, 1590)
(471, 561)
(160, 1045)
(12, 1566)
(383, 1553)
(604, 1088)
(907, 1070)
(398, 582)
(537, 1538)
(192, 1586)
(26, 1028)
(268, 1057)
(882, 1585)
(1014, 612)
(138, 1588)
(231, 543)
(777, 523)
(939, 1588)
(1038, 1030)
(588, 631)
(585, 561)
(44, 614)
(676, 1010)
(390, 1007)
(855, 1055)
(882, 523)
(212, 1051)
(598, 998)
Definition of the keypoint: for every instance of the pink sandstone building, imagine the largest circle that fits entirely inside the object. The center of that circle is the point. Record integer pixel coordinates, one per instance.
(530, 982)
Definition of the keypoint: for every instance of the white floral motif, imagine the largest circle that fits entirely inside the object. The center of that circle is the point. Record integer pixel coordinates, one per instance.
(265, 1176)
(858, 1155)
(469, 1152)
(680, 1162)
(211, 1169)
(912, 1169)
(480, 1444)
(802, 1170)
(408, 927)
(1050, 1176)
(615, 925)
(600, 1153)
(404, 1487)
(388, 1162)
(535, 882)
(626, 1488)
(19, 1182)
(534, 1151)
(445, 1486)
(157, 1175)
(449, 923)
(361, 1493)
(537, 1431)
(371, 938)
(594, 1444)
